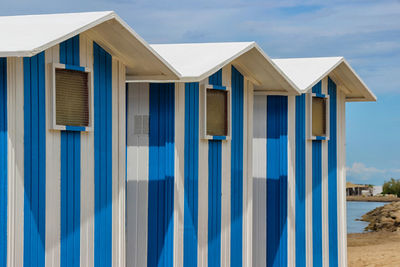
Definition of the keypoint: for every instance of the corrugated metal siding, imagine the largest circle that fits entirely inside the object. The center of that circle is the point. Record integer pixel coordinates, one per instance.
(300, 181)
(214, 191)
(70, 175)
(3, 161)
(316, 202)
(237, 169)
(332, 176)
(161, 175)
(191, 185)
(277, 171)
(260, 181)
(216, 78)
(103, 156)
(317, 194)
(137, 177)
(34, 160)
(214, 203)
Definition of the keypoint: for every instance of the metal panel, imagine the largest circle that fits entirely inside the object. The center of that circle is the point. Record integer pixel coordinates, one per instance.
(137, 176)
(214, 203)
(317, 194)
(191, 174)
(3, 161)
(190, 235)
(70, 174)
(216, 78)
(332, 176)
(15, 94)
(277, 171)
(161, 175)
(87, 172)
(237, 169)
(34, 160)
(260, 181)
(316, 202)
(103, 156)
(301, 180)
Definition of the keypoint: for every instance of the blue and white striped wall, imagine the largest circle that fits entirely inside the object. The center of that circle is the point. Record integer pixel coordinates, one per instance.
(299, 202)
(187, 197)
(66, 189)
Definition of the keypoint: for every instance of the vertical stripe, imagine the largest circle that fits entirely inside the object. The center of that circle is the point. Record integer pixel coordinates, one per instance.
(137, 175)
(260, 181)
(103, 156)
(216, 78)
(161, 175)
(316, 202)
(214, 203)
(301, 181)
(237, 169)
(191, 183)
(332, 176)
(277, 162)
(317, 194)
(3, 161)
(214, 191)
(70, 174)
(15, 129)
(34, 160)
(179, 172)
(87, 171)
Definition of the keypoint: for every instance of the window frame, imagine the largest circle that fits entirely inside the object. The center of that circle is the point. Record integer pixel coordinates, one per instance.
(54, 125)
(327, 114)
(204, 134)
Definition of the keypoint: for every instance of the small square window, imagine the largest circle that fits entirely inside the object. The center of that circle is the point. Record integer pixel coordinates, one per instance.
(319, 122)
(72, 98)
(217, 112)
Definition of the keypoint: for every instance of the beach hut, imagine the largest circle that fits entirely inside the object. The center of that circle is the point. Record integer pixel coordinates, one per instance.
(62, 136)
(189, 150)
(299, 167)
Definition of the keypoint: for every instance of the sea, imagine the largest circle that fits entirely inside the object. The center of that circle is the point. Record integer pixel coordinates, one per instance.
(357, 209)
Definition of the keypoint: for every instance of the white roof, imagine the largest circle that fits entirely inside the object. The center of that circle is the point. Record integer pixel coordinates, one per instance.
(197, 61)
(25, 36)
(306, 72)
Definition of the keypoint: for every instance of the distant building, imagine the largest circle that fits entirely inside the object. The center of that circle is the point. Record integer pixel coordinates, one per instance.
(358, 190)
(377, 189)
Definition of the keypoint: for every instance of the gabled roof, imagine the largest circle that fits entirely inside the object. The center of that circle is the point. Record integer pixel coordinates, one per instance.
(306, 72)
(197, 61)
(26, 36)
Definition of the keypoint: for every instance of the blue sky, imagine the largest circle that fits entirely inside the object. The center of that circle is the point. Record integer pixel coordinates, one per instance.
(366, 32)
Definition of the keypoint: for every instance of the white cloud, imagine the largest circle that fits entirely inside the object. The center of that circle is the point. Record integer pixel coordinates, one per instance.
(367, 174)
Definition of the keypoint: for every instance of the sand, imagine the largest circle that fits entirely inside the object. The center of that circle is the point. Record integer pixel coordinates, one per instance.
(374, 249)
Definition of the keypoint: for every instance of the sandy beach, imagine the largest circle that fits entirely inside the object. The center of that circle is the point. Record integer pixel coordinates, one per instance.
(374, 249)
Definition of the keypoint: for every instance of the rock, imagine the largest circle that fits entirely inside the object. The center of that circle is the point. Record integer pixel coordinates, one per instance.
(385, 218)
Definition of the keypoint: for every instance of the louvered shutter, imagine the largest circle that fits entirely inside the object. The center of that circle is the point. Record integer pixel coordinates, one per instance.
(72, 98)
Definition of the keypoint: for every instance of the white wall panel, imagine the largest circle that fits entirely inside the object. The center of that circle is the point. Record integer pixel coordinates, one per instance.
(291, 180)
(179, 195)
(118, 163)
(324, 191)
(87, 172)
(15, 211)
(137, 177)
(341, 133)
(248, 175)
(202, 251)
(259, 180)
(226, 185)
(53, 172)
